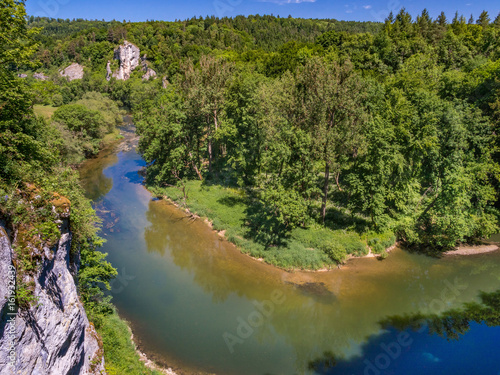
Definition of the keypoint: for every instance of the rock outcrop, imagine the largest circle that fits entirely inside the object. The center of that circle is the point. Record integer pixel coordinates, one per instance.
(40, 76)
(109, 73)
(53, 336)
(74, 71)
(164, 82)
(149, 73)
(22, 75)
(128, 55)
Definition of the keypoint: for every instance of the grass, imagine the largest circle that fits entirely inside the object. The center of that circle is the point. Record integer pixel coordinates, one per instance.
(120, 356)
(311, 248)
(46, 111)
(111, 137)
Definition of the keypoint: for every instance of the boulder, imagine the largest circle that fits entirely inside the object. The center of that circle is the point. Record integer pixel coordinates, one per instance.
(74, 71)
(40, 76)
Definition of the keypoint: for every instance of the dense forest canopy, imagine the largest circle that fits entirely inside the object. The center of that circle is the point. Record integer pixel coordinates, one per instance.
(355, 126)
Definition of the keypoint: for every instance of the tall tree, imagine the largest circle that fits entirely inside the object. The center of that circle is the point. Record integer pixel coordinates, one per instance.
(21, 139)
(331, 98)
(484, 19)
(205, 91)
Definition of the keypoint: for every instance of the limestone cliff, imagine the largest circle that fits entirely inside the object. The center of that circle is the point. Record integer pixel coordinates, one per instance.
(74, 71)
(129, 57)
(53, 335)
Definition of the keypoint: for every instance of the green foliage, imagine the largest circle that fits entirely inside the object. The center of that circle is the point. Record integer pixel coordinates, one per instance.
(358, 127)
(120, 355)
(287, 206)
(379, 242)
(24, 295)
(49, 232)
(79, 128)
(80, 119)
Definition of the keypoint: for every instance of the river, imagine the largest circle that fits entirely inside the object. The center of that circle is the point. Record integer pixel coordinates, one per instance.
(198, 305)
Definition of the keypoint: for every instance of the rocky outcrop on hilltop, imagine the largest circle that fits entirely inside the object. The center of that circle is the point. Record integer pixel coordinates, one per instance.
(129, 57)
(74, 71)
(53, 334)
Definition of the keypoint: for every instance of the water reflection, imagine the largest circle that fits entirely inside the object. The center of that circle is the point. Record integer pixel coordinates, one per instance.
(334, 312)
(459, 341)
(94, 182)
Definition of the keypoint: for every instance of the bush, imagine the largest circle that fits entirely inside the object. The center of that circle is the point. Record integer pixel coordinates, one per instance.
(335, 251)
(57, 100)
(379, 242)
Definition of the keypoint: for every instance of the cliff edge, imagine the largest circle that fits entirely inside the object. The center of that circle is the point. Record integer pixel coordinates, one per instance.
(52, 335)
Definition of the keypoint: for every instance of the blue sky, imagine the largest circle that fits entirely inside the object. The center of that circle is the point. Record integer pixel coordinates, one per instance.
(358, 10)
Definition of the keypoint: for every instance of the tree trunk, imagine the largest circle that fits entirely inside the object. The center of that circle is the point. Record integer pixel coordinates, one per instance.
(209, 143)
(337, 180)
(210, 155)
(195, 167)
(325, 192)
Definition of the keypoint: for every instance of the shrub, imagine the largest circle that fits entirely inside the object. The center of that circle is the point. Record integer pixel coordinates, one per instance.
(57, 100)
(335, 251)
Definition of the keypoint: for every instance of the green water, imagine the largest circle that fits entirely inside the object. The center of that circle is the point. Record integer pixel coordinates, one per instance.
(186, 291)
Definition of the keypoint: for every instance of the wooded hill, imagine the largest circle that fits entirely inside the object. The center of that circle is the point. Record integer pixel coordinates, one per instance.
(358, 127)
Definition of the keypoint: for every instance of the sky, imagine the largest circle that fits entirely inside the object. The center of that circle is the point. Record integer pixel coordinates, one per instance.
(168, 10)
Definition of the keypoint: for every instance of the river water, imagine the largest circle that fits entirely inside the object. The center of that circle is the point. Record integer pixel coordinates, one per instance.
(198, 305)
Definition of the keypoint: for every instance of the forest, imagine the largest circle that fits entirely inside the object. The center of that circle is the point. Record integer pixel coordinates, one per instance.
(295, 134)
(306, 141)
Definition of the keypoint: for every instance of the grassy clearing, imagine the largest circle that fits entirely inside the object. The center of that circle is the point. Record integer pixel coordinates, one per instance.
(312, 248)
(46, 111)
(119, 353)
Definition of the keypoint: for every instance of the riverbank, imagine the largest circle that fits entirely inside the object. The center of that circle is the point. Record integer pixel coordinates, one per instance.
(473, 249)
(121, 355)
(182, 288)
(231, 213)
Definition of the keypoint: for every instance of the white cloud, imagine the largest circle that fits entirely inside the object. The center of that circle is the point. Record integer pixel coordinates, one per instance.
(348, 11)
(367, 7)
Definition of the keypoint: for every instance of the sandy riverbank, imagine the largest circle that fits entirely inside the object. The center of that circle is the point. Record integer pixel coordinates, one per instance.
(473, 250)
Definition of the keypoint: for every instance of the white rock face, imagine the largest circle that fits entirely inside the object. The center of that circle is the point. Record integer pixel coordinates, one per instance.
(129, 56)
(149, 73)
(109, 73)
(74, 71)
(39, 76)
(53, 337)
(164, 82)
